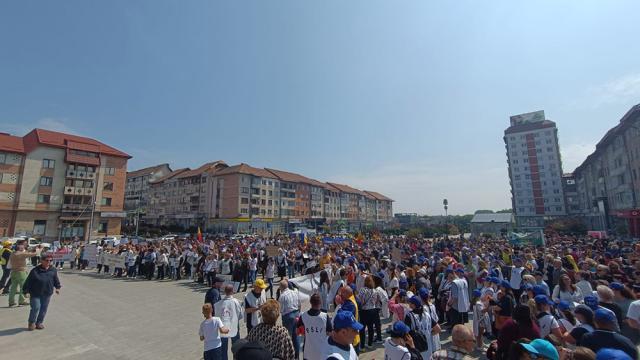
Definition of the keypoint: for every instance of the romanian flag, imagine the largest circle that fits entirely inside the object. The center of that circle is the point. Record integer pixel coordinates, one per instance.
(199, 235)
(303, 238)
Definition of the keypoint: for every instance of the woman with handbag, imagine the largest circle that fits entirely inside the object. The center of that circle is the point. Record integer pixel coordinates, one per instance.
(422, 327)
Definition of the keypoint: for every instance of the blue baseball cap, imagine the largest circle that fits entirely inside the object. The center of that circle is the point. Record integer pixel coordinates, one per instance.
(539, 290)
(381, 274)
(543, 299)
(494, 280)
(344, 320)
(542, 348)
(505, 284)
(424, 293)
(527, 287)
(415, 301)
(616, 286)
(402, 292)
(592, 302)
(399, 329)
(604, 315)
(612, 354)
(477, 293)
(403, 283)
(564, 305)
(460, 270)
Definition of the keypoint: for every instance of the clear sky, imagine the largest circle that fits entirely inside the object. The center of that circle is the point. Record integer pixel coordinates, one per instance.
(408, 98)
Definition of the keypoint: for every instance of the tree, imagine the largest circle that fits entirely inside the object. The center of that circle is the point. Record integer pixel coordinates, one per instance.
(504, 211)
(484, 212)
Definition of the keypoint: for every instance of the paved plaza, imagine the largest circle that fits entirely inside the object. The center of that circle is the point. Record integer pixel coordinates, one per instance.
(99, 317)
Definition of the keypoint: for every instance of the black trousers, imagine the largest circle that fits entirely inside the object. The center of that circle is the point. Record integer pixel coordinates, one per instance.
(160, 272)
(368, 319)
(150, 270)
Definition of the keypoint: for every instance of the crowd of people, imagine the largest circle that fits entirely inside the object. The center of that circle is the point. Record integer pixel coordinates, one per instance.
(572, 298)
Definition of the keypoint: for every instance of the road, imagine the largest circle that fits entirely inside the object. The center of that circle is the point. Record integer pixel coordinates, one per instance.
(98, 317)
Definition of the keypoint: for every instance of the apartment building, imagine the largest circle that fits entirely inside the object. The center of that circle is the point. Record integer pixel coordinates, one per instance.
(535, 169)
(245, 198)
(137, 194)
(185, 197)
(607, 181)
(60, 186)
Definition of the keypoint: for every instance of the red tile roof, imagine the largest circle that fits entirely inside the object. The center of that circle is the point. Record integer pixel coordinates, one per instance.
(206, 167)
(11, 143)
(346, 188)
(62, 140)
(289, 176)
(243, 168)
(169, 175)
(146, 171)
(378, 196)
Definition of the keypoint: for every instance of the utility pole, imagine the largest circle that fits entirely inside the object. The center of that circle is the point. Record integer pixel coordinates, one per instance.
(93, 209)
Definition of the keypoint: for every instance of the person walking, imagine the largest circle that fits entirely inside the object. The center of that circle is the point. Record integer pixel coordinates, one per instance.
(40, 285)
(290, 310)
(18, 265)
(230, 312)
(5, 254)
(253, 301)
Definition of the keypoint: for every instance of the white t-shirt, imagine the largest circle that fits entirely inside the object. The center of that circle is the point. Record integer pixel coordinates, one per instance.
(210, 329)
(395, 352)
(634, 311)
(516, 277)
(547, 323)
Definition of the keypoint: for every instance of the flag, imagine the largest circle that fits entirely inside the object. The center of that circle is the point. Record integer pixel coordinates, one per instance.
(303, 238)
(199, 235)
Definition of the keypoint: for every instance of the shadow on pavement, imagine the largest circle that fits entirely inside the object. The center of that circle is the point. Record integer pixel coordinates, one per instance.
(13, 331)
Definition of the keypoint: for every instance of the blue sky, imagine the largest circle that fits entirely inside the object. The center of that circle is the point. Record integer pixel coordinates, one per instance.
(406, 98)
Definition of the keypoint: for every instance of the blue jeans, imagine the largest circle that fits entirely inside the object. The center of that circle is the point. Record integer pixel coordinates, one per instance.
(252, 276)
(39, 305)
(213, 354)
(289, 322)
(290, 271)
(225, 344)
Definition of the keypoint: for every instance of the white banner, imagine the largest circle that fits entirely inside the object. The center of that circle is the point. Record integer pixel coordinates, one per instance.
(308, 284)
(91, 254)
(114, 261)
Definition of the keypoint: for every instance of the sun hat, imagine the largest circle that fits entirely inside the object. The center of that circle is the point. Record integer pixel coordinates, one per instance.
(542, 348)
(260, 284)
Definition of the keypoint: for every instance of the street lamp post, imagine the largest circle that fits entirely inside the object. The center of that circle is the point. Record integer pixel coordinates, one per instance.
(445, 203)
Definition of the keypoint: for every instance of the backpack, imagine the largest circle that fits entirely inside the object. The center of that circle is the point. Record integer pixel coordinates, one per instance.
(419, 339)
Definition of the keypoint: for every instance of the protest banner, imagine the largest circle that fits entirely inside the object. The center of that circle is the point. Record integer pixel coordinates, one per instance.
(227, 280)
(62, 256)
(90, 254)
(272, 251)
(307, 285)
(114, 261)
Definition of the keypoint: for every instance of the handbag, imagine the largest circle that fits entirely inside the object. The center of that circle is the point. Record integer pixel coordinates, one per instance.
(419, 339)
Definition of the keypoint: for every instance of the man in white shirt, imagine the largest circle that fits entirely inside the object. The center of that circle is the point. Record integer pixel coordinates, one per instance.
(516, 276)
(396, 347)
(290, 309)
(459, 298)
(253, 300)
(345, 330)
(229, 311)
(317, 325)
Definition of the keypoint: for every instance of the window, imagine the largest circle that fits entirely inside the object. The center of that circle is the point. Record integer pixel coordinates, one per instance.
(48, 164)
(244, 190)
(46, 181)
(105, 201)
(244, 211)
(39, 227)
(107, 186)
(3, 158)
(244, 200)
(102, 227)
(109, 171)
(43, 199)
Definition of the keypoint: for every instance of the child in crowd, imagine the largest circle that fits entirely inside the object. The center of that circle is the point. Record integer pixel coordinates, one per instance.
(210, 330)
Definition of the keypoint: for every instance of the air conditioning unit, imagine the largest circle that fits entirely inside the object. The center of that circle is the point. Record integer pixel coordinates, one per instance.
(68, 190)
(79, 191)
(71, 173)
(81, 174)
(91, 175)
(88, 191)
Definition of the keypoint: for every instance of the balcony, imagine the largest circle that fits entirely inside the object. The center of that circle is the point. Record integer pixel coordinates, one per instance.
(76, 207)
(74, 174)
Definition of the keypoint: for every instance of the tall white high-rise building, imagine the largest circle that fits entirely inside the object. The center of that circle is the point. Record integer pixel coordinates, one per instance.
(535, 169)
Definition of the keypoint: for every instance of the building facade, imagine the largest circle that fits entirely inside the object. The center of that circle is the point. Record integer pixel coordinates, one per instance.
(137, 194)
(243, 198)
(535, 169)
(60, 186)
(607, 181)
